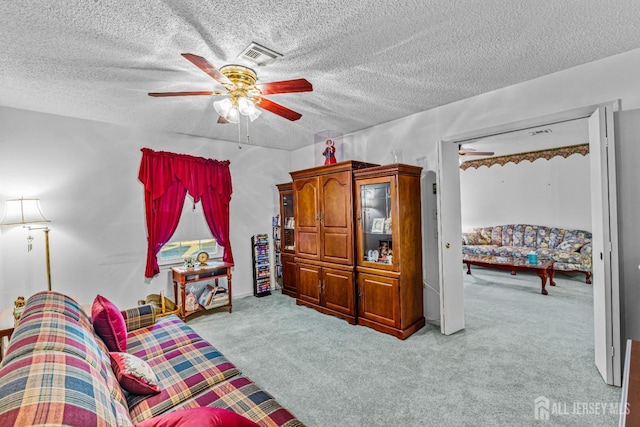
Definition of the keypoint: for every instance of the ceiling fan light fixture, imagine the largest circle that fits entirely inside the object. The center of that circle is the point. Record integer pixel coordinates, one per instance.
(223, 106)
(254, 114)
(233, 115)
(246, 106)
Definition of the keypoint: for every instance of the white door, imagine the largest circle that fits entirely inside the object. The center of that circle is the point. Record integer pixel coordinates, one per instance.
(605, 245)
(450, 232)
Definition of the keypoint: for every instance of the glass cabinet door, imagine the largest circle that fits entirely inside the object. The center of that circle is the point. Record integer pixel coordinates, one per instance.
(376, 245)
(288, 225)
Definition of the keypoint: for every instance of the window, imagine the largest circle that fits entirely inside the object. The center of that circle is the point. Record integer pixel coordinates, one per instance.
(191, 236)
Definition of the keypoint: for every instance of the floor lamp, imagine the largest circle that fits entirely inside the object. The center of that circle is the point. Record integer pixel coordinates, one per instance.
(26, 212)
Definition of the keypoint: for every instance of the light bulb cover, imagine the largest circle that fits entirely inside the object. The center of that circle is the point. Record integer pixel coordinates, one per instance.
(254, 115)
(233, 115)
(223, 106)
(245, 106)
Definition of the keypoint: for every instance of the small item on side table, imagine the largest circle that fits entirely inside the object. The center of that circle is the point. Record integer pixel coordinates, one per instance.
(202, 258)
(189, 263)
(19, 304)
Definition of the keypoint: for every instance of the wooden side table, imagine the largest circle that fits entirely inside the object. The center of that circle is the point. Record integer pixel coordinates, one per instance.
(182, 276)
(6, 329)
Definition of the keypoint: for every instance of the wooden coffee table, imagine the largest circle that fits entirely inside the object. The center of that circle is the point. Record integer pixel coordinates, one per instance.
(544, 269)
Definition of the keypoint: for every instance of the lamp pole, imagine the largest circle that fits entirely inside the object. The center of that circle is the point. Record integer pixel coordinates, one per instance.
(46, 246)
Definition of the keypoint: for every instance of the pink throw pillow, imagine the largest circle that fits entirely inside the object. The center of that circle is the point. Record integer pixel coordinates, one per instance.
(204, 416)
(134, 374)
(108, 322)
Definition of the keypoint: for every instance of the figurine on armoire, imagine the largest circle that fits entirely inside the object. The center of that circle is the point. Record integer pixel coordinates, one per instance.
(329, 153)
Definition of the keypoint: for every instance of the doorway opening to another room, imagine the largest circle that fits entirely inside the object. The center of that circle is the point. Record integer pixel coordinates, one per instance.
(606, 304)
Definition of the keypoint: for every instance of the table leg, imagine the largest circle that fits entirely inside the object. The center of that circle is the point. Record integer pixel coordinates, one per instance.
(552, 273)
(468, 267)
(175, 292)
(229, 288)
(182, 302)
(543, 277)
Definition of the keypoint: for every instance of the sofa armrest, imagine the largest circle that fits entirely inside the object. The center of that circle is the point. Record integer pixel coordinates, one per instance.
(139, 317)
(587, 249)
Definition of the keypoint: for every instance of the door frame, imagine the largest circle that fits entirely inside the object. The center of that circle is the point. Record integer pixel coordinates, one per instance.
(456, 314)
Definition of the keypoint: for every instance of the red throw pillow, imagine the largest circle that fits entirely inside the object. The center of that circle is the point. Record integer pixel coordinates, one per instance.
(204, 416)
(134, 374)
(108, 322)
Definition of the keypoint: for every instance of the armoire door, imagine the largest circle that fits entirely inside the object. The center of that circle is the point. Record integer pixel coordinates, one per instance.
(379, 299)
(307, 218)
(338, 291)
(336, 218)
(309, 283)
(289, 285)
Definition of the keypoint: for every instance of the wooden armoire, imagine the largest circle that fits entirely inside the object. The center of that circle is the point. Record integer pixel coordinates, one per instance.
(323, 212)
(358, 251)
(389, 249)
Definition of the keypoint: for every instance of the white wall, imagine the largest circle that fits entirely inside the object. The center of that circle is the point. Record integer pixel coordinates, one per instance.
(86, 175)
(554, 193)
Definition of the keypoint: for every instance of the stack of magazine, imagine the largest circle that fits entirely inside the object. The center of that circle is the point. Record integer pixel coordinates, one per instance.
(213, 296)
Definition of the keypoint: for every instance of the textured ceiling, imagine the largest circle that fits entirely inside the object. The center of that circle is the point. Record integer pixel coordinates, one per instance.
(369, 61)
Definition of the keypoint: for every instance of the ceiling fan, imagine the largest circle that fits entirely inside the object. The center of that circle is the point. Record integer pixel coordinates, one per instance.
(242, 94)
(473, 152)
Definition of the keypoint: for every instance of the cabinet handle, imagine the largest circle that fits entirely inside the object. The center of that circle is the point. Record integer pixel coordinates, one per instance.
(320, 284)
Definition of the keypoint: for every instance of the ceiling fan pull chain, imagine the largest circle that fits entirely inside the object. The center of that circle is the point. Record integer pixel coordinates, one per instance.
(248, 143)
(239, 136)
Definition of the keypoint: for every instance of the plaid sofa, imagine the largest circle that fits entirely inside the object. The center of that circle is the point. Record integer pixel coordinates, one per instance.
(57, 371)
(570, 249)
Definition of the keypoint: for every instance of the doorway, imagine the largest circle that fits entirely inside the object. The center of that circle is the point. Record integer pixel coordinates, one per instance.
(605, 265)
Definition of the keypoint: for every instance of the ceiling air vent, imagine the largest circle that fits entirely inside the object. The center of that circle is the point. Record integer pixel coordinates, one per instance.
(259, 54)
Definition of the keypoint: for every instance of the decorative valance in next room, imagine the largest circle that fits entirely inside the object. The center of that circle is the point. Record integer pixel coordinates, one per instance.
(167, 177)
(531, 156)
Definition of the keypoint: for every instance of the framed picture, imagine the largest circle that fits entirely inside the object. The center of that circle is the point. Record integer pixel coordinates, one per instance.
(378, 225)
(387, 226)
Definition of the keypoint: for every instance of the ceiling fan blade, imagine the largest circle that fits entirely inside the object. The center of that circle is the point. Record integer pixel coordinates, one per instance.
(475, 153)
(222, 120)
(205, 66)
(158, 94)
(285, 86)
(277, 108)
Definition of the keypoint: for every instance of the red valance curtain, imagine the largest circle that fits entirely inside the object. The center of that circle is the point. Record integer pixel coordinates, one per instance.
(167, 177)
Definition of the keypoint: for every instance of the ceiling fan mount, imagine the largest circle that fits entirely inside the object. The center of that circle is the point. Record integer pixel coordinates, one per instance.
(239, 75)
(244, 95)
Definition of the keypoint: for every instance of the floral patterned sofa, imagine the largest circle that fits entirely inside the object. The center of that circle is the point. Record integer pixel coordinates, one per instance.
(570, 249)
(60, 370)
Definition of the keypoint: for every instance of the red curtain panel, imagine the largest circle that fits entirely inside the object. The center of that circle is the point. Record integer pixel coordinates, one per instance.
(167, 178)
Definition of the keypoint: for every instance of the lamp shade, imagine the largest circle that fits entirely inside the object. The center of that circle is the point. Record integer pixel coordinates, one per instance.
(23, 211)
